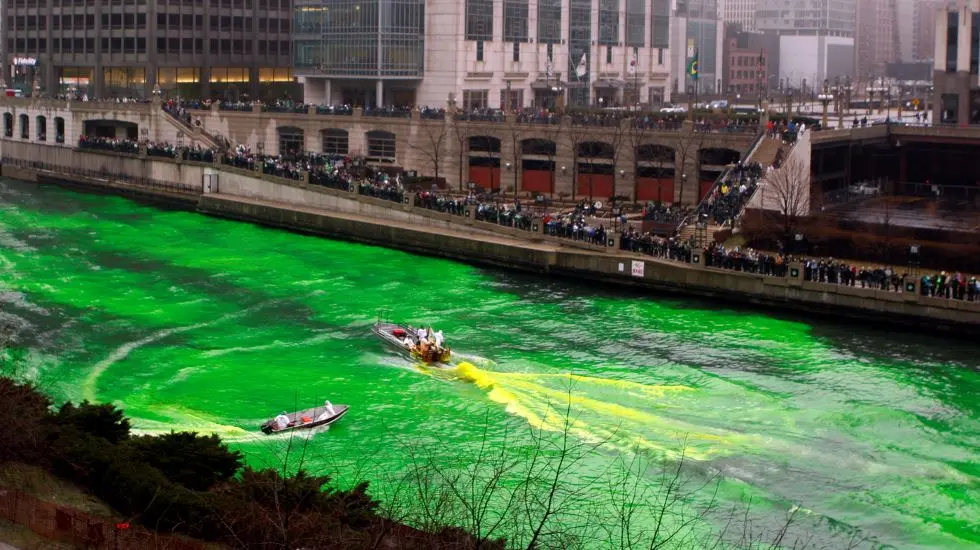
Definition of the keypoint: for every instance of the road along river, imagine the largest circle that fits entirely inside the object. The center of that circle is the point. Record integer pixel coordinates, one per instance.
(190, 322)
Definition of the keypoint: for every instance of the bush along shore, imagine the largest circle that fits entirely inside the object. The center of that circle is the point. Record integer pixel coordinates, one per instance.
(195, 485)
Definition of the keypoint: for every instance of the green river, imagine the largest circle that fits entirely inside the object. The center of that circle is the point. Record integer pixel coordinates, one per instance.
(871, 434)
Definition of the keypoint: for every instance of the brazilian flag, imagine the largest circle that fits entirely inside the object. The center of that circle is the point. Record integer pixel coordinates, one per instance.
(694, 66)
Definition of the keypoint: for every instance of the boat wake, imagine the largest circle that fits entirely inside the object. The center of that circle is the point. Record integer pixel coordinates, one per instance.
(619, 414)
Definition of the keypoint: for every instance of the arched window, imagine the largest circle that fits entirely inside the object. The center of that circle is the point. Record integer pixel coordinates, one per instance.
(484, 144)
(42, 128)
(25, 127)
(291, 140)
(8, 125)
(381, 145)
(335, 142)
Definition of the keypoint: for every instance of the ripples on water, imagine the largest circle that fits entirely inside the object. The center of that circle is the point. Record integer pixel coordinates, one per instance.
(196, 323)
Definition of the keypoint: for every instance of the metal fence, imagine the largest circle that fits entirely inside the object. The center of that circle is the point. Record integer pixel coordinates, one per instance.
(82, 530)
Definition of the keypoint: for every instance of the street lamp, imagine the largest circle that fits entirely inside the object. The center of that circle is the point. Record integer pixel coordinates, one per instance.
(825, 98)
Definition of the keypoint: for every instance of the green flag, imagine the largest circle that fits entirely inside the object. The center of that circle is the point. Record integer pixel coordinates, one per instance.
(694, 66)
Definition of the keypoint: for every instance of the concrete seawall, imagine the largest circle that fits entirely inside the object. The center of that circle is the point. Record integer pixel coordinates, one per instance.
(343, 215)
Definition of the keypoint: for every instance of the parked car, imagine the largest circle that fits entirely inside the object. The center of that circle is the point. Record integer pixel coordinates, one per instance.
(863, 188)
(669, 108)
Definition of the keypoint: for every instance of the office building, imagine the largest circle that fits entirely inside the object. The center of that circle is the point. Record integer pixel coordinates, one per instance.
(877, 44)
(742, 12)
(483, 53)
(222, 48)
(696, 31)
(816, 38)
(956, 67)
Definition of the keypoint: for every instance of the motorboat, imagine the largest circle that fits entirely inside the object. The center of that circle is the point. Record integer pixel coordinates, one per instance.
(306, 419)
(407, 340)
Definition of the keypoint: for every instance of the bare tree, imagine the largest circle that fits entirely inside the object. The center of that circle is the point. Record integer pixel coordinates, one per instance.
(789, 188)
(515, 132)
(689, 142)
(432, 144)
(636, 136)
(462, 136)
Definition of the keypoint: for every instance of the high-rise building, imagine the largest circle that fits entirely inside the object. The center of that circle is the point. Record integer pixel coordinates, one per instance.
(816, 38)
(877, 44)
(956, 67)
(483, 53)
(742, 12)
(231, 48)
(696, 31)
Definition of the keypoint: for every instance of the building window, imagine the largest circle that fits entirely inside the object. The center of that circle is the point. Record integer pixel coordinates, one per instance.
(579, 45)
(229, 75)
(475, 99)
(609, 56)
(269, 74)
(950, 106)
(952, 39)
(381, 145)
(660, 29)
(479, 50)
(635, 23)
(515, 20)
(549, 21)
(335, 142)
(550, 51)
(479, 19)
(517, 51)
(608, 22)
(512, 99)
(291, 140)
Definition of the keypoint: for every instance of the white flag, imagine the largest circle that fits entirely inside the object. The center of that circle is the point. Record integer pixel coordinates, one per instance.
(632, 67)
(582, 66)
(549, 68)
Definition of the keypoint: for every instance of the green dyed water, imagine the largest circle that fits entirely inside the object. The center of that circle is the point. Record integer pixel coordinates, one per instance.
(196, 323)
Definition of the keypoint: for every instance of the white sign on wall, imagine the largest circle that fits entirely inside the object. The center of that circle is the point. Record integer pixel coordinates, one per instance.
(637, 270)
(622, 268)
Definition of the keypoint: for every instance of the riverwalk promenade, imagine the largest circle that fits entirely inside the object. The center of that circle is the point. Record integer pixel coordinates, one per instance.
(249, 195)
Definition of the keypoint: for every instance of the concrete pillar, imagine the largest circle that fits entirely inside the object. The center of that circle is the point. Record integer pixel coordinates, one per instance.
(327, 92)
(379, 93)
(305, 177)
(205, 81)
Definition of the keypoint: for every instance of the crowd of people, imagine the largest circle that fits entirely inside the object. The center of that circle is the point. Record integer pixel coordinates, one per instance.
(129, 146)
(727, 199)
(952, 286)
(573, 225)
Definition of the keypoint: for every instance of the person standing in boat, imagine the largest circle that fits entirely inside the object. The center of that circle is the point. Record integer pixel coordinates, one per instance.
(282, 421)
(439, 339)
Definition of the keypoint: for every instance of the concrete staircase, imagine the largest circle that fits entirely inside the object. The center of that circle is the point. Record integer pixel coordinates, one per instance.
(690, 232)
(193, 133)
(766, 153)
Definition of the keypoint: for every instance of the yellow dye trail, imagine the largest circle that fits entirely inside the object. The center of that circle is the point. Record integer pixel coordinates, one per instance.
(620, 414)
